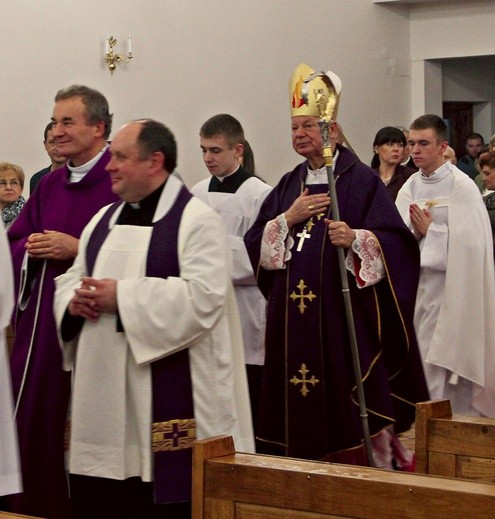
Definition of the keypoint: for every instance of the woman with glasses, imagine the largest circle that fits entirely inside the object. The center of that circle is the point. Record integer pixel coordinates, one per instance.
(11, 186)
(388, 147)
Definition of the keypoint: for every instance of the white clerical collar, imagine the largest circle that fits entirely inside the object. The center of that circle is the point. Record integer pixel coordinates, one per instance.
(77, 173)
(221, 179)
(441, 171)
(319, 176)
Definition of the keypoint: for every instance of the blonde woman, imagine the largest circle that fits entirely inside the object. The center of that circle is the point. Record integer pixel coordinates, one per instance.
(11, 186)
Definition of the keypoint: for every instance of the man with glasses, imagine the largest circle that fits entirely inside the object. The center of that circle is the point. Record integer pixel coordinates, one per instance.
(308, 405)
(44, 242)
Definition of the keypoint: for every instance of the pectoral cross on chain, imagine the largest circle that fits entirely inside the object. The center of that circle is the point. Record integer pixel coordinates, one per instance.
(302, 236)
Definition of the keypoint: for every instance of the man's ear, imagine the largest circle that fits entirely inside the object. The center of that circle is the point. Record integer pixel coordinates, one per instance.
(100, 128)
(333, 130)
(158, 160)
(239, 149)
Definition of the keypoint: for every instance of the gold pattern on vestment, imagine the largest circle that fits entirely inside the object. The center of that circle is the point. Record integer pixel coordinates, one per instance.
(304, 381)
(302, 296)
(173, 435)
(399, 368)
(311, 222)
(431, 203)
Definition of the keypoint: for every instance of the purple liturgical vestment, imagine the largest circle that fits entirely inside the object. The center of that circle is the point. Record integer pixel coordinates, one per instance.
(309, 407)
(41, 387)
(173, 418)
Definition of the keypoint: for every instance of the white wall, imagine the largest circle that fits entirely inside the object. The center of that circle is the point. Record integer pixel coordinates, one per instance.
(451, 29)
(197, 58)
(457, 28)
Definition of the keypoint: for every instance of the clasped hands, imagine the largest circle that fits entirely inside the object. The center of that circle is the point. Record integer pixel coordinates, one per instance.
(95, 296)
(306, 205)
(420, 220)
(52, 245)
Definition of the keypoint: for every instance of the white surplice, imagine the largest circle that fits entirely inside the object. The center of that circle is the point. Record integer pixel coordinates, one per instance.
(111, 404)
(10, 472)
(455, 307)
(239, 211)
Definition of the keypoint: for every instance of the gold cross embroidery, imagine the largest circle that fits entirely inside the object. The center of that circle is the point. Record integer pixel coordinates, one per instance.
(173, 435)
(430, 203)
(304, 381)
(302, 296)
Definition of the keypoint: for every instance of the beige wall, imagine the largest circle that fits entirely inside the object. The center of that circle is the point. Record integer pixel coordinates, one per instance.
(197, 58)
(453, 28)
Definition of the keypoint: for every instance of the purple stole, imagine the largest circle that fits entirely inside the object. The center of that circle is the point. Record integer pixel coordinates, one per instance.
(305, 377)
(174, 426)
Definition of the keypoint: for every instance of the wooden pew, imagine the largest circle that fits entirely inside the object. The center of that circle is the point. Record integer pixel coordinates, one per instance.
(8, 515)
(453, 445)
(228, 485)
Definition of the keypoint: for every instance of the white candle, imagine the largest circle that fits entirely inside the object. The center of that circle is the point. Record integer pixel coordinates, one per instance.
(129, 43)
(107, 44)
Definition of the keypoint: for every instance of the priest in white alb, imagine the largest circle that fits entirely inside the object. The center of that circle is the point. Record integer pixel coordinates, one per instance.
(10, 471)
(150, 327)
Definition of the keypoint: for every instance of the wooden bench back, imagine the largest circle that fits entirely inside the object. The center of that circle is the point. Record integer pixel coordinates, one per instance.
(8, 515)
(228, 485)
(453, 445)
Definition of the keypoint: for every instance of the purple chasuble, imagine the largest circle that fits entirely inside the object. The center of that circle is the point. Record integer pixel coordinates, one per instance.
(174, 426)
(309, 406)
(36, 361)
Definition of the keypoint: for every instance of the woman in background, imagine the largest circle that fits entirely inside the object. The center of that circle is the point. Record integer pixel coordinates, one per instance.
(487, 168)
(388, 148)
(11, 186)
(247, 158)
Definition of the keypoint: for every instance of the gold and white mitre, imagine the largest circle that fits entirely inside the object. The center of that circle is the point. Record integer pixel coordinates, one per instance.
(314, 93)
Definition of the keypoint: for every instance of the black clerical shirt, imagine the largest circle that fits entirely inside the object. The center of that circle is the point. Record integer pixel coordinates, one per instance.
(140, 213)
(229, 184)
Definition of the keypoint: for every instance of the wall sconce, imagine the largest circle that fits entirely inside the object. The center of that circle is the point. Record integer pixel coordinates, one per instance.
(112, 58)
